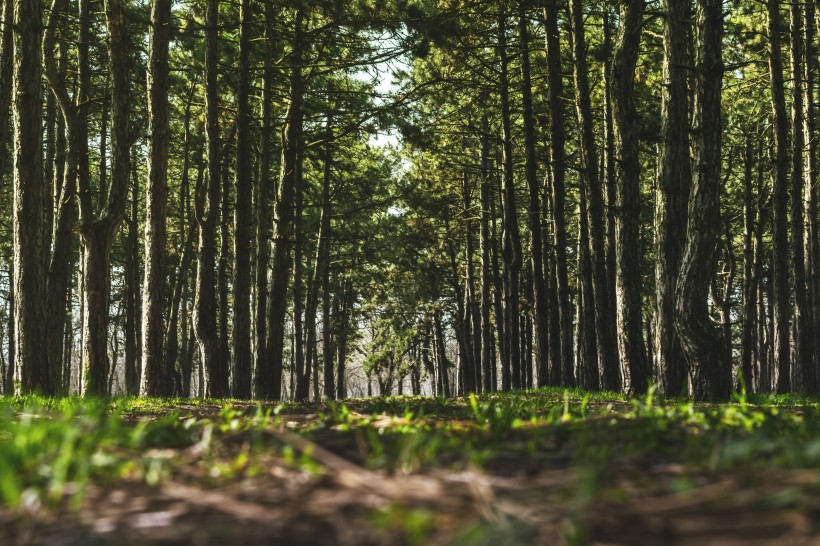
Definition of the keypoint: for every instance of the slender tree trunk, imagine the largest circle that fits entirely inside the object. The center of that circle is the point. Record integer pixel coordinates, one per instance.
(803, 342)
(6, 75)
(223, 267)
(780, 264)
(627, 230)
(269, 369)
(511, 253)
(243, 217)
(558, 190)
(604, 323)
(539, 280)
(701, 342)
(131, 294)
(153, 294)
(487, 361)
(810, 195)
(205, 305)
(749, 312)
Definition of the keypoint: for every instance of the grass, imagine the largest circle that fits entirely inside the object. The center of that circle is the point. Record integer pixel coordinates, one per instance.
(58, 455)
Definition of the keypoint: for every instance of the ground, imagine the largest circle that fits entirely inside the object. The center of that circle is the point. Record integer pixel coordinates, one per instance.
(541, 467)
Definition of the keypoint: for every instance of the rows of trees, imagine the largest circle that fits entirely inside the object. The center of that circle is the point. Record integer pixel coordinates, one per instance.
(200, 199)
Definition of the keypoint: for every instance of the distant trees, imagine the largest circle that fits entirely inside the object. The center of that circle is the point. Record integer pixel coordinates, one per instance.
(503, 195)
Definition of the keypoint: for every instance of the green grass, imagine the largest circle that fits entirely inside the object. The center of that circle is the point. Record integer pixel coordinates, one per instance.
(52, 450)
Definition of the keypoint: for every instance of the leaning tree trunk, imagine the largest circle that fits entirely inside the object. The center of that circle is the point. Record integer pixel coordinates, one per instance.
(701, 341)
(153, 294)
(628, 197)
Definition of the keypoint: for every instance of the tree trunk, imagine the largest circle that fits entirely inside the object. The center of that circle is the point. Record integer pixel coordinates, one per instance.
(750, 280)
(98, 231)
(539, 280)
(205, 309)
(269, 369)
(779, 291)
(511, 253)
(812, 235)
(604, 323)
(674, 179)
(702, 344)
(487, 361)
(803, 342)
(131, 294)
(153, 294)
(558, 190)
(243, 217)
(628, 197)
(29, 187)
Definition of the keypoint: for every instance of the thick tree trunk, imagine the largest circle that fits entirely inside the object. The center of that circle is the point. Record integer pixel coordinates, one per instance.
(604, 324)
(29, 187)
(779, 291)
(153, 294)
(702, 344)
(628, 196)
(243, 217)
(674, 179)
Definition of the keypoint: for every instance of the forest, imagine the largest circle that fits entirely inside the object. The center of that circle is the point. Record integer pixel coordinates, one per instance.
(409, 272)
(289, 201)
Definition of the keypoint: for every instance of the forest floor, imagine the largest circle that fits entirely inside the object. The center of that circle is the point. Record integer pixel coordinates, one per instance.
(541, 467)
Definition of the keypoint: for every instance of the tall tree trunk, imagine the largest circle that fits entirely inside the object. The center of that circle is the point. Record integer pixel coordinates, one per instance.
(511, 253)
(243, 217)
(269, 369)
(779, 287)
(29, 187)
(98, 231)
(803, 342)
(627, 231)
(487, 361)
(131, 294)
(223, 273)
(750, 280)
(263, 194)
(558, 190)
(539, 280)
(701, 342)
(205, 308)
(604, 324)
(153, 294)
(674, 179)
(810, 195)
(348, 299)
(6, 74)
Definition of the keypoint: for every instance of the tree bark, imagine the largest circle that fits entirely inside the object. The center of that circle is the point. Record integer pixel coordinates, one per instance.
(269, 369)
(29, 274)
(628, 196)
(153, 295)
(780, 238)
(243, 217)
(702, 344)
(604, 323)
